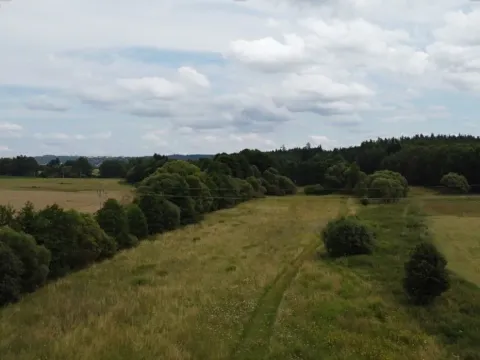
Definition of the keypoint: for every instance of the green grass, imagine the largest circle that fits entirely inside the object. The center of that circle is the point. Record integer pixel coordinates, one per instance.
(251, 282)
(195, 293)
(355, 308)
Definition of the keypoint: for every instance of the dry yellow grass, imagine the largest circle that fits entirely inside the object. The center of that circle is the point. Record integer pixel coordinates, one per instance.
(81, 194)
(187, 295)
(458, 238)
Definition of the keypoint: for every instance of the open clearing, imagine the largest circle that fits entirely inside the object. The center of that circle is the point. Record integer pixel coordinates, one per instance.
(456, 226)
(250, 282)
(80, 194)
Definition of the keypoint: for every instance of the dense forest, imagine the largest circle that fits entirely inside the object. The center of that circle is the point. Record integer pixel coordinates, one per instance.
(423, 160)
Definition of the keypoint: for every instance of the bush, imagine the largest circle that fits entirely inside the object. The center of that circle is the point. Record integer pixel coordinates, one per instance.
(7, 216)
(26, 218)
(455, 183)
(35, 258)
(426, 276)
(89, 231)
(385, 185)
(56, 229)
(347, 236)
(365, 201)
(11, 270)
(112, 218)
(316, 189)
(161, 214)
(287, 185)
(137, 222)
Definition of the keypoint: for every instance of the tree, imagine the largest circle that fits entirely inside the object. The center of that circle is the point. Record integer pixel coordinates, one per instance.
(426, 275)
(112, 218)
(347, 236)
(161, 214)
(35, 258)
(112, 168)
(11, 270)
(455, 183)
(137, 221)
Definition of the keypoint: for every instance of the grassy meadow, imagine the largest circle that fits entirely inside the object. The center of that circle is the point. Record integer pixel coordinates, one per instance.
(80, 194)
(253, 282)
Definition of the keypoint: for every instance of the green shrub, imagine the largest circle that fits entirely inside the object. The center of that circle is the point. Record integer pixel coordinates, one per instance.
(426, 276)
(137, 222)
(316, 189)
(26, 218)
(89, 231)
(347, 236)
(455, 183)
(365, 201)
(11, 271)
(7, 216)
(112, 218)
(385, 185)
(57, 229)
(35, 258)
(286, 185)
(162, 215)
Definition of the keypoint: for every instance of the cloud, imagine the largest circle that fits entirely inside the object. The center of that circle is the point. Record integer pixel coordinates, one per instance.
(46, 103)
(281, 70)
(4, 149)
(68, 137)
(192, 76)
(324, 141)
(456, 50)
(6, 126)
(10, 130)
(268, 54)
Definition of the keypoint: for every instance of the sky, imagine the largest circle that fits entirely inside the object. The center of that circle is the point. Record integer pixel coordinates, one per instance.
(117, 77)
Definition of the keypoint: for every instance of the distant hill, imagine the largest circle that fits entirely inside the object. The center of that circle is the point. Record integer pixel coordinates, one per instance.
(97, 160)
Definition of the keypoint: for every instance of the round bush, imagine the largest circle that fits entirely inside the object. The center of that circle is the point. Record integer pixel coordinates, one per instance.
(11, 271)
(137, 221)
(455, 183)
(316, 189)
(35, 258)
(161, 214)
(347, 236)
(112, 218)
(426, 276)
(365, 201)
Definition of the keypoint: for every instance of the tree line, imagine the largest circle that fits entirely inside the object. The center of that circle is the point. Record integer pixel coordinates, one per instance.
(422, 160)
(41, 245)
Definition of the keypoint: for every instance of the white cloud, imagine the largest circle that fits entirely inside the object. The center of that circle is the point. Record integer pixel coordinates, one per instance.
(324, 141)
(193, 76)
(6, 126)
(290, 69)
(4, 149)
(456, 50)
(269, 54)
(68, 137)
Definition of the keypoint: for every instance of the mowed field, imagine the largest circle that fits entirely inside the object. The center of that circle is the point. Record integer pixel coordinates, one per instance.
(80, 194)
(455, 222)
(251, 282)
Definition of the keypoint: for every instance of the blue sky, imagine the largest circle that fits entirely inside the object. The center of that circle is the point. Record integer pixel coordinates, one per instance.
(205, 76)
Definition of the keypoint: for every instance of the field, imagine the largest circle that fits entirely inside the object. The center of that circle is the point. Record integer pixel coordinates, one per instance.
(456, 225)
(81, 194)
(253, 282)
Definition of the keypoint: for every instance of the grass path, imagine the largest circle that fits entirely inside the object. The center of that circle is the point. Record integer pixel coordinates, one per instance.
(254, 343)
